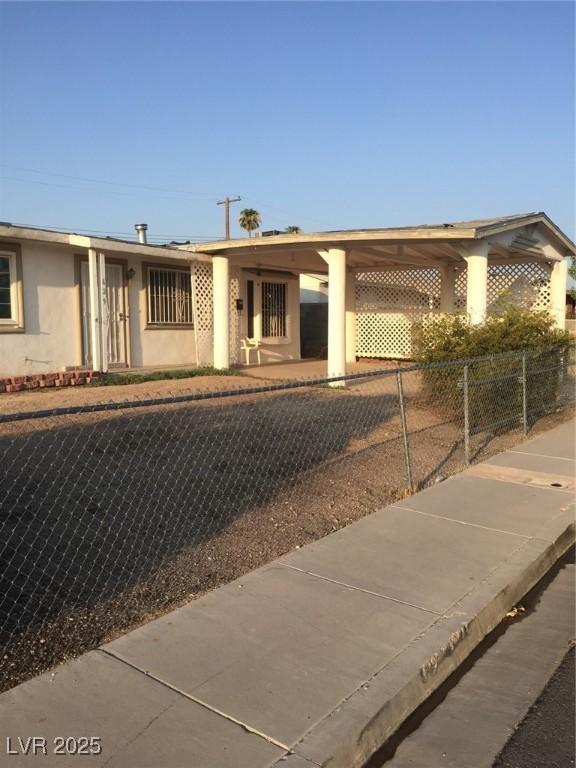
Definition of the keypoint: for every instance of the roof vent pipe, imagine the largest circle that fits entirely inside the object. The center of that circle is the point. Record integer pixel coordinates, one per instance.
(141, 232)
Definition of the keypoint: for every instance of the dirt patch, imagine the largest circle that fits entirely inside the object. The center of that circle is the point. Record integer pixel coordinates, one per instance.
(43, 399)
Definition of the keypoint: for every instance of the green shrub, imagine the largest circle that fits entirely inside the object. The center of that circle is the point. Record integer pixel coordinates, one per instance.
(494, 348)
(451, 337)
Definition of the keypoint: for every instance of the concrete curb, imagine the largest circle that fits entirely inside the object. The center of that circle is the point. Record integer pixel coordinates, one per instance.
(353, 733)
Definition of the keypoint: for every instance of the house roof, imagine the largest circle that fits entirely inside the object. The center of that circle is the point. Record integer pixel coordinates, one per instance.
(107, 244)
(457, 230)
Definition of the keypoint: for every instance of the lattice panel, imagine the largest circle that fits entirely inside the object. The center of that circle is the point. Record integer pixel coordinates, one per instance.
(388, 304)
(398, 290)
(234, 318)
(203, 322)
(524, 285)
(385, 334)
(460, 286)
(202, 306)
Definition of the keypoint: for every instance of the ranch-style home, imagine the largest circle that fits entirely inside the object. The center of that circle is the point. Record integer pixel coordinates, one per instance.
(70, 301)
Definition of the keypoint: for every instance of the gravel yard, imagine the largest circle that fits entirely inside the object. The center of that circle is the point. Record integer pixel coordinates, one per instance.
(111, 518)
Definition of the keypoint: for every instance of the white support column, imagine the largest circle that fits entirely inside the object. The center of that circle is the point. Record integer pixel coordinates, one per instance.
(94, 294)
(350, 317)
(448, 280)
(103, 313)
(221, 310)
(477, 281)
(336, 260)
(558, 286)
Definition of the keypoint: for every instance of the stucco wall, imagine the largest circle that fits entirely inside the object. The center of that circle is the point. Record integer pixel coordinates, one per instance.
(287, 348)
(51, 338)
(152, 346)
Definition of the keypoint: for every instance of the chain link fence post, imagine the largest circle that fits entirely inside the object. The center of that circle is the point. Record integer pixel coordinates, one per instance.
(466, 416)
(404, 431)
(524, 394)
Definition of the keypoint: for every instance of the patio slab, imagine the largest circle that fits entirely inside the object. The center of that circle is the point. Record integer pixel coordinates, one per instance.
(313, 369)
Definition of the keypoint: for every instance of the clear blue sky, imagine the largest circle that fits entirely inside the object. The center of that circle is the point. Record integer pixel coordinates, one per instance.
(325, 115)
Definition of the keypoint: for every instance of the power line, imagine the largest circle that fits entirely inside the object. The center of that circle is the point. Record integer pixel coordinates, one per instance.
(111, 183)
(174, 194)
(187, 195)
(93, 189)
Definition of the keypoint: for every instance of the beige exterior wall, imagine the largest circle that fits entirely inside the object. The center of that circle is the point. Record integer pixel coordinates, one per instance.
(151, 347)
(274, 350)
(51, 338)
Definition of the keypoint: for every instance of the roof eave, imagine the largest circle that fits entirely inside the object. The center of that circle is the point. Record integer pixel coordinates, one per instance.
(98, 243)
(322, 240)
(536, 218)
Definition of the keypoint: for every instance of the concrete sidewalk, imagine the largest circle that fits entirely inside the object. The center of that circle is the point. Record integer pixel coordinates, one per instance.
(315, 659)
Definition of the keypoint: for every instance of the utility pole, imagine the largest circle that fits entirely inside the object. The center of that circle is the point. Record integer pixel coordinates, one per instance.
(226, 203)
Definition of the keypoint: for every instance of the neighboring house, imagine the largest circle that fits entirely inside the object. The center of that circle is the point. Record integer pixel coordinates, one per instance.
(313, 289)
(313, 315)
(71, 301)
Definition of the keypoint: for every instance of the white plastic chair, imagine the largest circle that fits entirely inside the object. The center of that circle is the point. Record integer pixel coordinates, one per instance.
(250, 345)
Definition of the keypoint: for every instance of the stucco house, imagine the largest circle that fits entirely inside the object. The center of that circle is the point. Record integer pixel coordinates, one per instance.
(72, 301)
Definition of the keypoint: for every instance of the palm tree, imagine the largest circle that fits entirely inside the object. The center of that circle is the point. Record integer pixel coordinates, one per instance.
(293, 230)
(249, 220)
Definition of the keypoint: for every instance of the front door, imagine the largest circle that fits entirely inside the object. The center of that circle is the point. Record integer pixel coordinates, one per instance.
(115, 315)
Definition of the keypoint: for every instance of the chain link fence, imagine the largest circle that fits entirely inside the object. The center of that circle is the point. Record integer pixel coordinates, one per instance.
(113, 513)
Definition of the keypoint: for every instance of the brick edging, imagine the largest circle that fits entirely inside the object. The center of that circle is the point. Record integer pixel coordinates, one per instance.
(42, 380)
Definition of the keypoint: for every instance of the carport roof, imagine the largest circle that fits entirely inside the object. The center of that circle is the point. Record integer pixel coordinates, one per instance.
(419, 244)
(455, 230)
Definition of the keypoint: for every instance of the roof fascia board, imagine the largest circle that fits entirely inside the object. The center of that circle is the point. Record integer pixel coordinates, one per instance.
(98, 243)
(333, 240)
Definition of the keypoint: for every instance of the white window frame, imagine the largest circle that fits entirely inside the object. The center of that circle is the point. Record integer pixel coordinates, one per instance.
(16, 320)
(169, 321)
(274, 339)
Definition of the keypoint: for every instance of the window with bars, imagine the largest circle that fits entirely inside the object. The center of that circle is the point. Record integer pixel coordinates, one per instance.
(169, 297)
(274, 310)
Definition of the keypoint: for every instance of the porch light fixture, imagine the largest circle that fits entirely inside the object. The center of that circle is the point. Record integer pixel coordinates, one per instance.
(130, 273)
